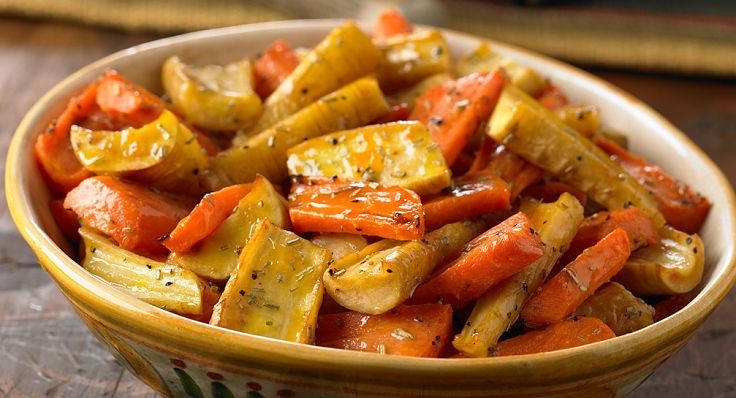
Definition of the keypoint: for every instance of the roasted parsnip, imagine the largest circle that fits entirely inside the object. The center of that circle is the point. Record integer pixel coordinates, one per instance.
(164, 285)
(536, 134)
(351, 106)
(375, 281)
(399, 153)
(276, 289)
(213, 97)
(618, 308)
(673, 266)
(407, 59)
(163, 153)
(484, 59)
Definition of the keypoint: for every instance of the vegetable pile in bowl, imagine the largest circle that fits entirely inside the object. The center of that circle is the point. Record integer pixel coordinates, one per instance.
(381, 190)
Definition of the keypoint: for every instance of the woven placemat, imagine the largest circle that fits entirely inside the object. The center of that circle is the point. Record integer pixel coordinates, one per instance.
(681, 43)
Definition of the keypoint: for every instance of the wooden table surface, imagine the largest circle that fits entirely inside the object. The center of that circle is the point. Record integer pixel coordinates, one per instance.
(45, 351)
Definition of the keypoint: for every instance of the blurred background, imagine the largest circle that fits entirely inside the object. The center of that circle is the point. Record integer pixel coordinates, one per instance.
(688, 36)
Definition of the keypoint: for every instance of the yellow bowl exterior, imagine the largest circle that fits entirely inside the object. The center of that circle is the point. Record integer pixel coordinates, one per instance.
(182, 358)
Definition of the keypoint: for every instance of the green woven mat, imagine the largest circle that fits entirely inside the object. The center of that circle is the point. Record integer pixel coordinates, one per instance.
(683, 43)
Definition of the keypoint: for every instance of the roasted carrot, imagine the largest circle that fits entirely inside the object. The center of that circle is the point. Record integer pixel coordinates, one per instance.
(272, 66)
(356, 207)
(565, 291)
(130, 103)
(409, 330)
(682, 207)
(515, 170)
(569, 333)
(552, 97)
(470, 195)
(206, 216)
(639, 227)
(453, 111)
(65, 219)
(53, 148)
(390, 23)
(135, 217)
(485, 261)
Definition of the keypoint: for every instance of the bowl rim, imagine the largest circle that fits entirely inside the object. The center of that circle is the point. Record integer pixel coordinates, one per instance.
(120, 310)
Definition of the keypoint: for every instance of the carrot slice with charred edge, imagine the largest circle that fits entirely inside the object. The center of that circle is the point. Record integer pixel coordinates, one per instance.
(639, 227)
(515, 170)
(552, 97)
(53, 148)
(326, 205)
(390, 23)
(485, 261)
(65, 219)
(682, 207)
(135, 217)
(409, 330)
(272, 66)
(453, 111)
(565, 291)
(206, 216)
(470, 196)
(569, 333)
(121, 99)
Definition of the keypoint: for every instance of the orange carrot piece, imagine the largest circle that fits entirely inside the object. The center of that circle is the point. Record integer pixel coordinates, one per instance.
(53, 148)
(135, 217)
(206, 216)
(485, 261)
(565, 291)
(390, 23)
(552, 97)
(356, 207)
(65, 219)
(272, 66)
(569, 333)
(639, 227)
(128, 102)
(470, 196)
(453, 111)
(682, 207)
(409, 330)
(515, 170)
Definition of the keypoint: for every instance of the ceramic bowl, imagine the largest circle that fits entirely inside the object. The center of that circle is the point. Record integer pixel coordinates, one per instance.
(179, 357)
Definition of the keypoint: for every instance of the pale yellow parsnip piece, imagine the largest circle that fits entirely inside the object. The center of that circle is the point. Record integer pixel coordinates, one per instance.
(276, 289)
(533, 132)
(375, 281)
(160, 284)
